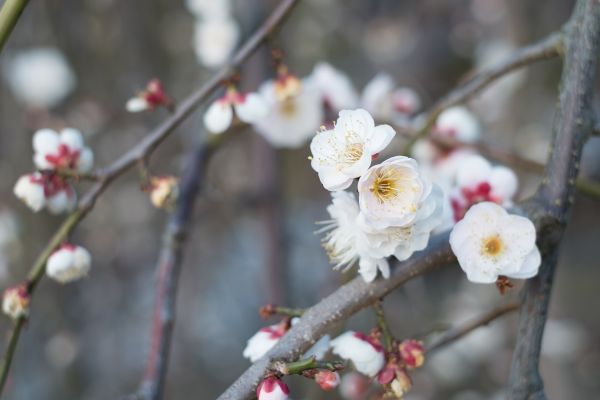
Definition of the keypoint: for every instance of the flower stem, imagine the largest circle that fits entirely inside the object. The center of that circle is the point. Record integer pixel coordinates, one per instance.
(298, 367)
(383, 326)
(9, 15)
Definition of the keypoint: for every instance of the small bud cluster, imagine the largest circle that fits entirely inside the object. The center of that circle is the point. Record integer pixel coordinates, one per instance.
(152, 97)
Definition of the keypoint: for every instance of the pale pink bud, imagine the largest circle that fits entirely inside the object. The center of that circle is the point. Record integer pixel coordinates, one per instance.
(328, 380)
(412, 353)
(272, 388)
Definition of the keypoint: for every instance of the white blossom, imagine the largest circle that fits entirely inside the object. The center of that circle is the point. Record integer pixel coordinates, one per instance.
(272, 388)
(295, 112)
(263, 340)
(69, 263)
(391, 193)
(457, 123)
(337, 90)
(66, 149)
(61, 201)
(366, 354)
(249, 107)
(488, 242)
(386, 102)
(30, 190)
(39, 77)
(15, 302)
(345, 152)
(215, 40)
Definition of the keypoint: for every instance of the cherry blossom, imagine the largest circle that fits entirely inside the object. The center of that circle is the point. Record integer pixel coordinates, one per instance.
(53, 150)
(68, 263)
(215, 39)
(341, 154)
(45, 189)
(152, 97)
(263, 340)
(249, 107)
(489, 242)
(386, 102)
(457, 123)
(366, 353)
(272, 388)
(30, 190)
(15, 302)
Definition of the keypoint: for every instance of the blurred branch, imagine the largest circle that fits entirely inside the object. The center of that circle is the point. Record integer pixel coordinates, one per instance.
(588, 188)
(341, 304)
(547, 48)
(572, 125)
(458, 332)
(9, 15)
(139, 152)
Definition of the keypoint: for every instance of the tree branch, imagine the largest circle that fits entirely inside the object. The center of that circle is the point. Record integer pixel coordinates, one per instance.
(547, 48)
(141, 151)
(9, 15)
(458, 332)
(572, 124)
(344, 302)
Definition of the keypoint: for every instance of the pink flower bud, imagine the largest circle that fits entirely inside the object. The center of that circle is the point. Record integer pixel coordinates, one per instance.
(412, 353)
(328, 380)
(154, 96)
(272, 388)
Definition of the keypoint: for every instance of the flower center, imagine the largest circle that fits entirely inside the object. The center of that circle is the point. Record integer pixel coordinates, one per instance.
(288, 107)
(353, 152)
(386, 185)
(492, 246)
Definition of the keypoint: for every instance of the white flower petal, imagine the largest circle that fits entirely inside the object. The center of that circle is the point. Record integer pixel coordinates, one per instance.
(136, 104)
(382, 136)
(32, 194)
(504, 183)
(252, 109)
(218, 116)
(72, 138)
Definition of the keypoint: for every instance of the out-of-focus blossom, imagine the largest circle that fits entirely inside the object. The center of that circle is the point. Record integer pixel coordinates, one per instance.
(457, 123)
(163, 191)
(152, 97)
(354, 386)
(272, 388)
(214, 40)
(295, 111)
(365, 352)
(40, 77)
(488, 243)
(263, 340)
(15, 302)
(30, 190)
(341, 154)
(45, 189)
(209, 9)
(477, 180)
(53, 151)
(395, 379)
(249, 107)
(69, 263)
(386, 102)
(337, 90)
(327, 380)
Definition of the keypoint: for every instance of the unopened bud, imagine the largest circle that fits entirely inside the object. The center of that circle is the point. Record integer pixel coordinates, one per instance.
(328, 380)
(272, 388)
(401, 384)
(412, 353)
(15, 302)
(163, 191)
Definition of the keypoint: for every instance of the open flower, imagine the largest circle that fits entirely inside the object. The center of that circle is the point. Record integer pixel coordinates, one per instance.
(263, 340)
(386, 102)
(295, 111)
(53, 150)
(391, 193)
(337, 91)
(345, 152)
(45, 189)
(272, 388)
(365, 352)
(15, 302)
(152, 97)
(457, 123)
(477, 180)
(69, 263)
(488, 243)
(249, 107)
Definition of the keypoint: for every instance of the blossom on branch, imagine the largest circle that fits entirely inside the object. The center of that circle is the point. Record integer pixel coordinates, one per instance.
(327, 380)
(68, 263)
(249, 108)
(215, 39)
(457, 123)
(365, 352)
(263, 340)
(272, 388)
(164, 191)
(152, 97)
(386, 102)
(15, 302)
(45, 189)
(336, 88)
(489, 242)
(64, 150)
(341, 154)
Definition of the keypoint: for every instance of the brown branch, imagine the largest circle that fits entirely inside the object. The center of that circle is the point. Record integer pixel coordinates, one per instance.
(460, 331)
(344, 302)
(141, 151)
(547, 48)
(572, 124)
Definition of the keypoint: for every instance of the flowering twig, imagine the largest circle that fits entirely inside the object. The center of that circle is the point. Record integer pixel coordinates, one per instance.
(388, 339)
(549, 47)
(140, 151)
(458, 332)
(573, 123)
(9, 15)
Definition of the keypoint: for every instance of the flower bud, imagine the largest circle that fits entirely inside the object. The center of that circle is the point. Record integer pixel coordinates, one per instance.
(412, 353)
(401, 383)
(69, 263)
(328, 380)
(15, 302)
(154, 96)
(30, 190)
(272, 388)
(164, 191)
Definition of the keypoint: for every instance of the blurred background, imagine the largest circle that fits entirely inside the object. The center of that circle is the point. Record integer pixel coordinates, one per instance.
(252, 240)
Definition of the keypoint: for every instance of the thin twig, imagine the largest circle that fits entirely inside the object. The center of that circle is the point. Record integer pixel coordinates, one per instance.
(458, 332)
(573, 123)
(142, 150)
(383, 325)
(549, 47)
(9, 15)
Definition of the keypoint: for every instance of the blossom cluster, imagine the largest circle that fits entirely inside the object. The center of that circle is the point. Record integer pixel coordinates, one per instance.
(397, 205)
